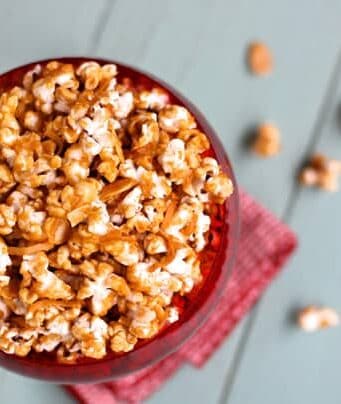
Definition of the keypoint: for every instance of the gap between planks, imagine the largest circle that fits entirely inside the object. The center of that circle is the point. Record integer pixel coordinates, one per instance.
(100, 26)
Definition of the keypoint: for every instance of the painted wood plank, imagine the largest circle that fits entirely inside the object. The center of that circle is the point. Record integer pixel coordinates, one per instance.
(282, 364)
(33, 30)
(203, 385)
(21, 390)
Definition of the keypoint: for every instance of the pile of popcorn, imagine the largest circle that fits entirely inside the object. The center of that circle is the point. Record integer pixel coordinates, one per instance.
(105, 207)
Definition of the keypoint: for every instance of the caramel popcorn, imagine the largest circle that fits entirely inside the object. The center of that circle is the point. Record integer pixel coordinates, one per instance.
(268, 141)
(259, 59)
(102, 285)
(105, 208)
(321, 172)
(7, 219)
(314, 318)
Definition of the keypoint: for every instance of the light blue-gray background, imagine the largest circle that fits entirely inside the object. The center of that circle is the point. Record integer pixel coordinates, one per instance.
(199, 47)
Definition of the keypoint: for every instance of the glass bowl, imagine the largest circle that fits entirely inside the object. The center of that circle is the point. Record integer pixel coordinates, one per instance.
(217, 263)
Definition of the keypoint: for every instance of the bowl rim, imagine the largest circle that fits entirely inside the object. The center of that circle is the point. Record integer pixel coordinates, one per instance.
(157, 349)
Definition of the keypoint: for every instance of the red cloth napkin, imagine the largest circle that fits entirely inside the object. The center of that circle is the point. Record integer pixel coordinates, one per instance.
(265, 244)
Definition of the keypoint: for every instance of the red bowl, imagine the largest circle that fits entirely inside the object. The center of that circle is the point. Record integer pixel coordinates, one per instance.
(196, 308)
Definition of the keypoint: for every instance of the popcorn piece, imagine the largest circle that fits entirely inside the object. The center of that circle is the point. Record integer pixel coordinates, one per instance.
(173, 118)
(155, 99)
(108, 166)
(153, 185)
(95, 214)
(185, 267)
(125, 252)
(219, 188)
(156, 282)
(122, 104)
(173, 160)
(172, 315)
(98, 218)
(57, 331)
(61, 258)
(69, 352)
(4, 312)
(90, 72)
(194, 183)
(42, 311)
(17, 200)
(91, 332)
(32, 120)
(143, 324)
(29, 76)
(309, 177)
(17, 341)
(322, 173)
(82, 243)
(196, 142)
(144, 130)
(5, 261)
(57, 230)
(9, 125)
(178, 220)
(7, 219)
(76, 164)
(127, 169)
(6, 179)
(31, 223)
(267, 142)
(120, 339)
(131, 204)
(260, 59)
(39, 282)
(155, 244)
(102, 286)
(314, 318)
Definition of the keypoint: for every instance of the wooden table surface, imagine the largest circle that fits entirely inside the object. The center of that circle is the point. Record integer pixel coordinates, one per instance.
(199, 47)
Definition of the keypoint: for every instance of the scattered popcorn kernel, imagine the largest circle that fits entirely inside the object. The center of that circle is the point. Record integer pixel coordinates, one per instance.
(309, 177)
(260, 59)
(106, 205)
(321, 172)
(268, 141)
(314, 318)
